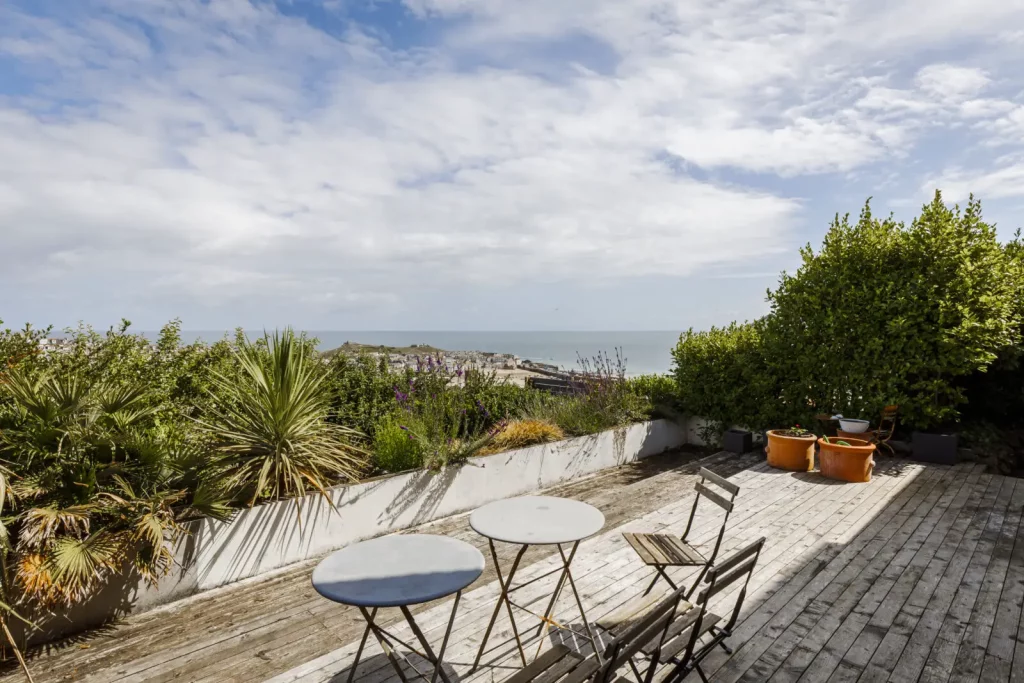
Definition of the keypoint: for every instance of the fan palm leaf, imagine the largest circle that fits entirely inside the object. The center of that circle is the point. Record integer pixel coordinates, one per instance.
(40, 526)
(77, 566)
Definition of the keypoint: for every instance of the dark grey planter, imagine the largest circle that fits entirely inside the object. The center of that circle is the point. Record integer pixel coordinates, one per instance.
(738, 441)
(940, 449)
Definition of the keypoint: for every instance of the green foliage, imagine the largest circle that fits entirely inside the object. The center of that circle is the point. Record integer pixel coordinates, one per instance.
(890, 314)
(110, 444)
(440, 407)
(270, 423)
(882, 314)
(996, 393)
(723, 375)
(19, 347)
(604, 399)
(97, 487)
(395, 449)
(362, 391)
(657, 395)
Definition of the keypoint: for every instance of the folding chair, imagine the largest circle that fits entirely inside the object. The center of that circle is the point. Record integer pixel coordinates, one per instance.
(886, 428)
(700, 620)
(561, 664)
(662, 551)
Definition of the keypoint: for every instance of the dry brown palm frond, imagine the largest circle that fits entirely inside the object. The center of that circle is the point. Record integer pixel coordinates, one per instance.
(40, 526)
(33, 574)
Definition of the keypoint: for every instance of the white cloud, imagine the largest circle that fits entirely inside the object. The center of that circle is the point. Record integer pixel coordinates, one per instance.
(1005, 180)
(226, 149)
(950, 82)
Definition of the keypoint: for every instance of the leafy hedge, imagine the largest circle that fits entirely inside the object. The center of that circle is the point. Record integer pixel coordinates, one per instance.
(884, 313)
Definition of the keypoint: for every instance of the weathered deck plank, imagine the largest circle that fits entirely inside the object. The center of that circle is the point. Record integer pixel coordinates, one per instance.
(916, 576)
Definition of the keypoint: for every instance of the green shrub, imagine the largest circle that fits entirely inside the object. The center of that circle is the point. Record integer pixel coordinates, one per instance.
(883, 313)
(658, 395)
(723, 375)
(362, 391)
(394, 447)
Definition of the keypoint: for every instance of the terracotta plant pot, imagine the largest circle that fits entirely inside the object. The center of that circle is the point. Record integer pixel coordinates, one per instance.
(794, 453)
(851, 463)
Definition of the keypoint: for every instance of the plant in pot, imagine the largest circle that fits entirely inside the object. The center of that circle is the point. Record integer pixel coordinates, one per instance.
(936, 439)
(846, 459)
(791, 449)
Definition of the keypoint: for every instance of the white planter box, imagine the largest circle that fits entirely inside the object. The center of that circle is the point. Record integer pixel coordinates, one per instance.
(268, 537)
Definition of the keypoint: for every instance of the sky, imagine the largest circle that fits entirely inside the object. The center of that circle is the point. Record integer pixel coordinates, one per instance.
(477, 164)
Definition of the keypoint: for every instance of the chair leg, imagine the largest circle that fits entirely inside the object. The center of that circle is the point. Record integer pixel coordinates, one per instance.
(715, 631)
(653, 581)
(661, 573)
(700, 672)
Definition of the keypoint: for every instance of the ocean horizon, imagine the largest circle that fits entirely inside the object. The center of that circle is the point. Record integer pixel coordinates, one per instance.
(645, 352)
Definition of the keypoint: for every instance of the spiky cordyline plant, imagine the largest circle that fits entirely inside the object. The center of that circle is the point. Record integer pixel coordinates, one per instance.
(270, 423)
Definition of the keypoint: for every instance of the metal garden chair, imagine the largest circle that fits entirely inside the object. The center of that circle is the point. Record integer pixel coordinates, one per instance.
(662, 551)
(682, 646)
(561, 664)
(886, 427)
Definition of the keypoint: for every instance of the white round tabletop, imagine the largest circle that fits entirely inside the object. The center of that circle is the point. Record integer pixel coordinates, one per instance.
(537, 520)
(398, 570)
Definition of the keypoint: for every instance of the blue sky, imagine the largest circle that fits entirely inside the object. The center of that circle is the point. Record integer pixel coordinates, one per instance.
(458, 164)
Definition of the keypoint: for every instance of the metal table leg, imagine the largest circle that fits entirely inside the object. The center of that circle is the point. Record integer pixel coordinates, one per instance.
(567, 575)
(385, 639)
(503, 599)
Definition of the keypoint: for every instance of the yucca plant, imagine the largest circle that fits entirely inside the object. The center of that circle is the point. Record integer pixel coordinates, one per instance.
(270, 423)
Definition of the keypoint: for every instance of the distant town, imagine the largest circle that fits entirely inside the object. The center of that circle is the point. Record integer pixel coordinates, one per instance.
(401, 357)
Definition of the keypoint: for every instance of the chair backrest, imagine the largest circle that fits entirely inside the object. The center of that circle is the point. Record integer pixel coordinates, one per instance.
(738, 566)
(657, 627)
(724, 499)
(887, 423)
(652, 628)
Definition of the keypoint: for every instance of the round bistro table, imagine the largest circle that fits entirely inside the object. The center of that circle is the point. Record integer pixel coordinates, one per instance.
(398, 571)
(535, 520)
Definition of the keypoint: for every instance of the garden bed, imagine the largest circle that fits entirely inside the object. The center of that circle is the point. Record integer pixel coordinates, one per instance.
(270, 536)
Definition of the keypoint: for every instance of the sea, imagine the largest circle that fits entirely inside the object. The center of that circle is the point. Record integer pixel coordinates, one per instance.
(643, 352)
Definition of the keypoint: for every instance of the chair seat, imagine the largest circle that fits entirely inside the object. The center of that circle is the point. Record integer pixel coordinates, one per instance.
(665, 550)
(631, 613)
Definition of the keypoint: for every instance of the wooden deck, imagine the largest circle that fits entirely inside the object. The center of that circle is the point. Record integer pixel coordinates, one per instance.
(917, 576)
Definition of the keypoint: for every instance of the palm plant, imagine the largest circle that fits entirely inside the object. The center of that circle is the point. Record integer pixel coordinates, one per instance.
(270, 423)
(100, 489)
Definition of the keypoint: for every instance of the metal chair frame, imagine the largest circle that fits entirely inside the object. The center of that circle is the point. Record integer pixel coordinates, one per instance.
(725, 502)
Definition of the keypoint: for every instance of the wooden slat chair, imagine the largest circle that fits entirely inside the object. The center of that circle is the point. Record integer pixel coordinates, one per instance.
(682, 646)
(561, 664)
(886, 428)
(662, 551)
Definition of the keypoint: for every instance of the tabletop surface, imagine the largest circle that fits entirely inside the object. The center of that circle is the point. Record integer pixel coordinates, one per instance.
(537, 520)
(392, 571)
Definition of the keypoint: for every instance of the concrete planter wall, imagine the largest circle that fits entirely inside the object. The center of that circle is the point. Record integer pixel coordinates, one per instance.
(268, 537)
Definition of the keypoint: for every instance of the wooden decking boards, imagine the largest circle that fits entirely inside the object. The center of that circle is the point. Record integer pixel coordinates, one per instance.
(915, 576)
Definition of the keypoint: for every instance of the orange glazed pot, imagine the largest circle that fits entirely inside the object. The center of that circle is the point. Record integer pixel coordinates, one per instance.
(795, 453)
(851, 463)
